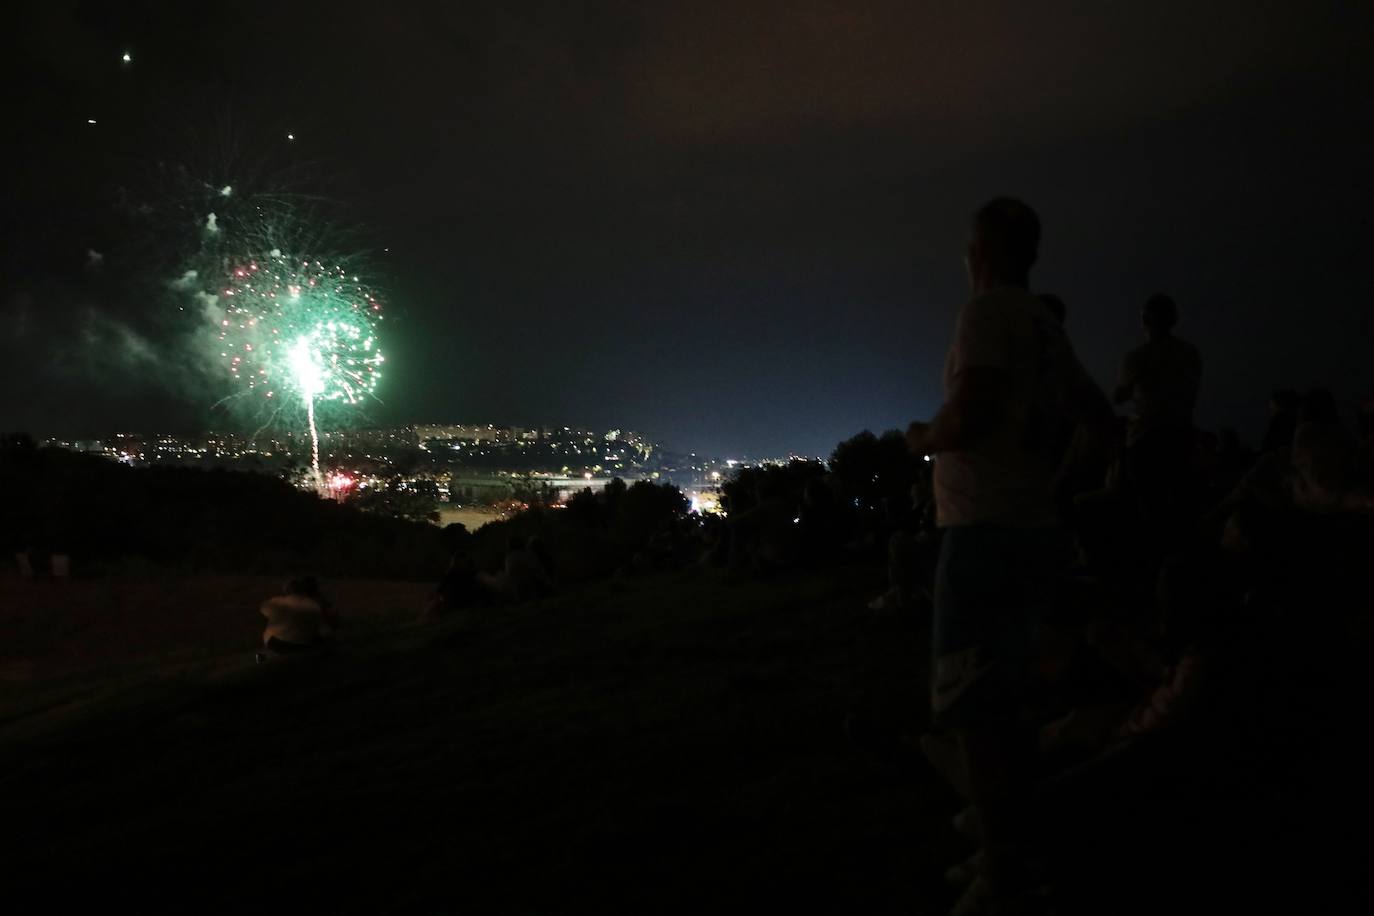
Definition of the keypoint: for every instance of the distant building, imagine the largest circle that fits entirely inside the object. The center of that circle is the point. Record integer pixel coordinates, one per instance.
(462, 432)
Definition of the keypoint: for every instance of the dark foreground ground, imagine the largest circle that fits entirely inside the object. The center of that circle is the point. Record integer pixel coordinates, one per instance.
(669, 744)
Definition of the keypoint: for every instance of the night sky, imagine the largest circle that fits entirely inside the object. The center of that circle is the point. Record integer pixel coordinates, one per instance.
(736, 226)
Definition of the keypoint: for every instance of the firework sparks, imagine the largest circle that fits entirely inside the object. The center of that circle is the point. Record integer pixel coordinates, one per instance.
(300, 328)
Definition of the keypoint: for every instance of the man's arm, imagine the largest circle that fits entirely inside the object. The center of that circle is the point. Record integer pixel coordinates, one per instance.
(978, 387)
(975, 405)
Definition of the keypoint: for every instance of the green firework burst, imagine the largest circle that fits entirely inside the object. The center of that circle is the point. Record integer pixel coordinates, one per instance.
(299, 328)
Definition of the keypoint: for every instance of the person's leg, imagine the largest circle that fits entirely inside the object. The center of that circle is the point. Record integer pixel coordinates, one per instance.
(969, 685)
(997, 750)
(997, 762)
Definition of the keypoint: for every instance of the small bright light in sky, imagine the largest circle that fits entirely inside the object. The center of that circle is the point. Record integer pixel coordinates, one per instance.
(90, 120)
(290, 136)
(128, 58)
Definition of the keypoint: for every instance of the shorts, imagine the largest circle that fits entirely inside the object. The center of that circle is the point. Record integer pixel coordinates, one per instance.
(992, 586)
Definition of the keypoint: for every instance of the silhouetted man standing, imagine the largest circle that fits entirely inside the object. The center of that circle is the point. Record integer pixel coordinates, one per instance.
(1011, 382)
(1161, 378)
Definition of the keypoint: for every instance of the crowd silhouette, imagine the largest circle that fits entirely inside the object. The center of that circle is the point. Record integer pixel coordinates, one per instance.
(1095, 583)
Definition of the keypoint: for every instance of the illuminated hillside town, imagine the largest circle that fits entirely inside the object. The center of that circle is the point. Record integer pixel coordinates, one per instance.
(472, 472)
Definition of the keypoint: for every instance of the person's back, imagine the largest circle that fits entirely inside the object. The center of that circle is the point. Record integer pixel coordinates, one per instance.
(1165, 374)
(1161, 377)
(297, 619)
(525, 575)
(1325, 456)
(458, 588)
(1006, 477)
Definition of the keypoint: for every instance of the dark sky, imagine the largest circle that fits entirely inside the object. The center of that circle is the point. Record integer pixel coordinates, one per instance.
(737, 226)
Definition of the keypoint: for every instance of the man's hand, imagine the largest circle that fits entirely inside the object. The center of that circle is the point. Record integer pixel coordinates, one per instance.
(918, 438)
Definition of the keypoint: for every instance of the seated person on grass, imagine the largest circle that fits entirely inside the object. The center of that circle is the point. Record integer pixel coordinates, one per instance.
(298, 620)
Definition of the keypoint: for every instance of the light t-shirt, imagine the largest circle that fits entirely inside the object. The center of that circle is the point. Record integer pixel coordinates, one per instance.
(1007, 478)
(294, 619)
(1163, 376)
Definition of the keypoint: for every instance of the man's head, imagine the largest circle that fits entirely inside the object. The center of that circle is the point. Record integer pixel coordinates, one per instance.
(1003, 245)
(1159, 314)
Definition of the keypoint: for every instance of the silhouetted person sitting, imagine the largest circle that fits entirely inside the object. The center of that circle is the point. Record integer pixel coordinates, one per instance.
(1266, 485)
(821, 520)
(1325, 457)
(522, 577)
(32, 562)
(1161, 379)
(903, 572)
(1283, 420)
(911, 552)
(545, 556)
(298, 620)
(764, 536)
(458, 588)
(1364, 420)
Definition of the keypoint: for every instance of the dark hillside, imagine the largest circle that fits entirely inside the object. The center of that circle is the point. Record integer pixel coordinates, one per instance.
(110, 517)
(667, 744)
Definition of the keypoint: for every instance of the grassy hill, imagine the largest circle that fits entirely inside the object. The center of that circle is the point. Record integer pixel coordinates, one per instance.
(657, 745)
